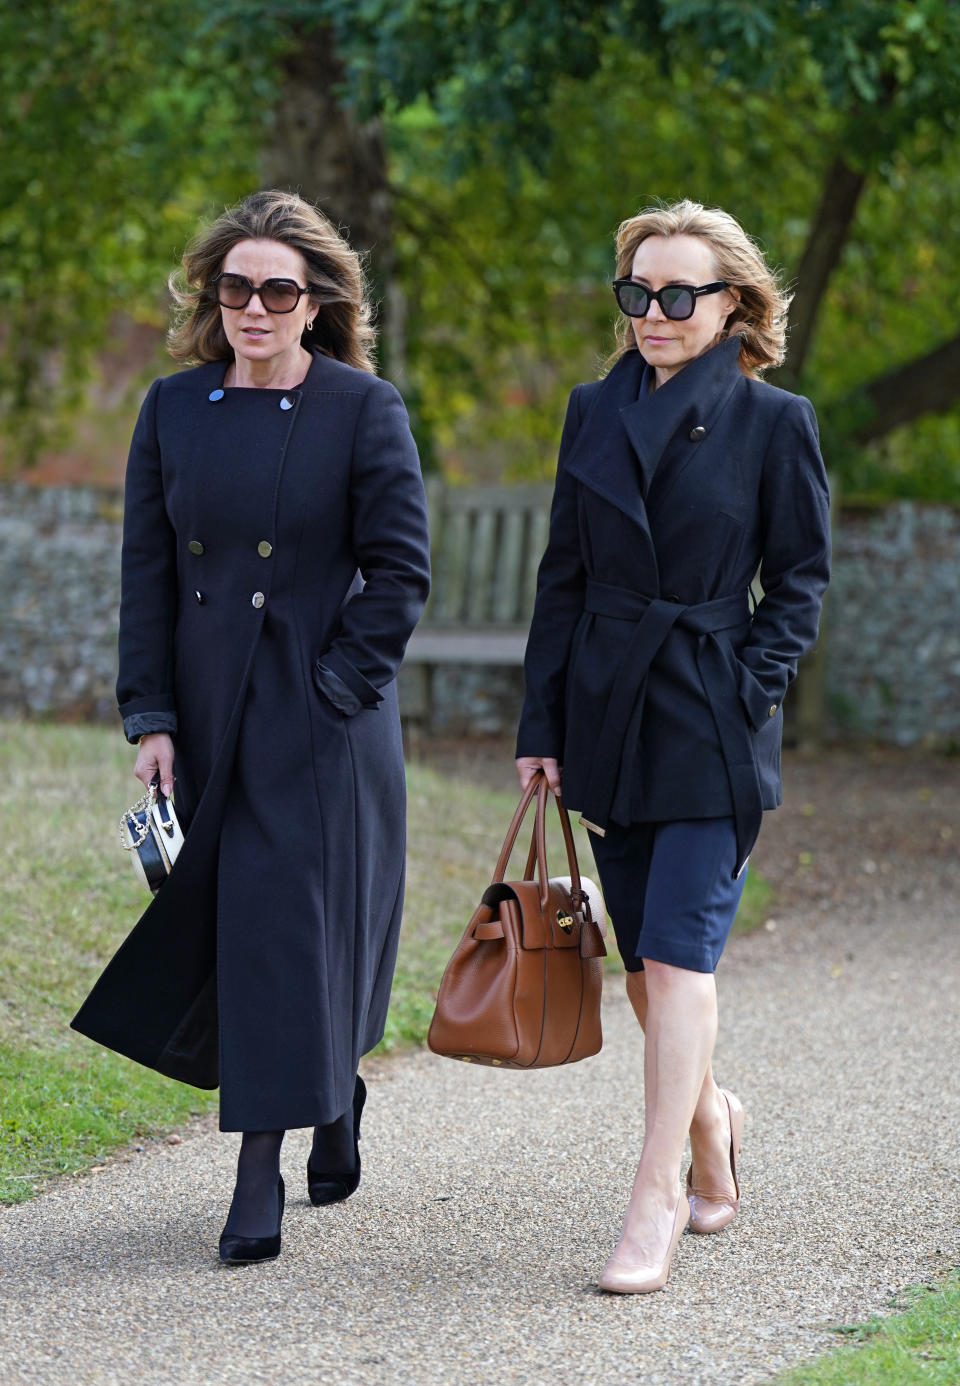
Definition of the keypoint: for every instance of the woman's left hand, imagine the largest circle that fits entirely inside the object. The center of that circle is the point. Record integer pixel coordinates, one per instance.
(527, 767)
(155, 757)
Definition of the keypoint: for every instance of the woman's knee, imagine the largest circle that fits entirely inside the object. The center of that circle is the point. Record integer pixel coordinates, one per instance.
(665, 979)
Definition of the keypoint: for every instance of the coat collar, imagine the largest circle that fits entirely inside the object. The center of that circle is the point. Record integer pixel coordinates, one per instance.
(211, 375)
(628, 425)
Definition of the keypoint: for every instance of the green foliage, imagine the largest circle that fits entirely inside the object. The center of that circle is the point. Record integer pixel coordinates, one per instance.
(115, 135)
(520, 135)
(507, 267)
(491, 65)
(917, 1347)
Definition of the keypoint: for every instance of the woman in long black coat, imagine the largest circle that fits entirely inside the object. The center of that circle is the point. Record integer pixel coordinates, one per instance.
(652, 682)
(275, 562)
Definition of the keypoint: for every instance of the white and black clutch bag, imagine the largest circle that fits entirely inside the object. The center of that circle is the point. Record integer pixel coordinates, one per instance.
(149, 831)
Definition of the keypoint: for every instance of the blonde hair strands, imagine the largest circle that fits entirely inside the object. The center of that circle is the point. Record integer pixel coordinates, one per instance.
(760, 319)
(342, 326)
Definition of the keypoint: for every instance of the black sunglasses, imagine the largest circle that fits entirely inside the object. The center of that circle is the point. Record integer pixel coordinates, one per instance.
(276, 295)
(677, 301)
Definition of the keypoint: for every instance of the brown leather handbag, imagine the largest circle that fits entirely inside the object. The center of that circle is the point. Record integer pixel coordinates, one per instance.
(523, 988)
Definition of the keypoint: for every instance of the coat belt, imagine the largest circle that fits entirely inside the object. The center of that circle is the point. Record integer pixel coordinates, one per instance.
(655, 618)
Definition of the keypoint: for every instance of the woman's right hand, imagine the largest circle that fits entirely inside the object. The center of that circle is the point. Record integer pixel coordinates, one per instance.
(527, 767)
(155, 756)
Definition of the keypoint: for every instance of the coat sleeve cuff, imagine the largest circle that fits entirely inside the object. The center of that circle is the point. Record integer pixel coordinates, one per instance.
(143, 723)
(335, 690)
(758, 702)
(363, 693)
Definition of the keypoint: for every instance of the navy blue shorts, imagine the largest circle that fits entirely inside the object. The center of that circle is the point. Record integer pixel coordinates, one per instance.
(669, 890)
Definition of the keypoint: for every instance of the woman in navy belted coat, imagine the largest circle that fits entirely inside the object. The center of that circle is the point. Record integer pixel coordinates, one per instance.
(654, 683)
(275, 562)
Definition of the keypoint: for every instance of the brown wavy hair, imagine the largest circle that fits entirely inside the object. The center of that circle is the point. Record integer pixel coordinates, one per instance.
(342, 326)
(760, 318)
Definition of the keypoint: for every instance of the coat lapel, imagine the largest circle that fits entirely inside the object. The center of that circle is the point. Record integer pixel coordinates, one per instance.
(601, 456)
(684, 408)
(628, 428)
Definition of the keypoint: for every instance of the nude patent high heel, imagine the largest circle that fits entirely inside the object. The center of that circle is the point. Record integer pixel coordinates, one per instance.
(619, 1277)
(712, 1212)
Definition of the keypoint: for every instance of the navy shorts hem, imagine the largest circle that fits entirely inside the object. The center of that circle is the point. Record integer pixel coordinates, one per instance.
(668, 950)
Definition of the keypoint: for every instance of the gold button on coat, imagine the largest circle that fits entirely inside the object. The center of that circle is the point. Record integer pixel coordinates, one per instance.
(258, 599)
(195, 546)
(264, 548)
(697, 433)
(772, 711)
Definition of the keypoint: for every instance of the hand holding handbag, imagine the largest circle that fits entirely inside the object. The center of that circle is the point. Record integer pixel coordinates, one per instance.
(150, 832)
(522, 989)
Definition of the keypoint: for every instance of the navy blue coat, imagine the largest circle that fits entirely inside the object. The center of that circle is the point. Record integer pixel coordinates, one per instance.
(275, 561)
(647, 676)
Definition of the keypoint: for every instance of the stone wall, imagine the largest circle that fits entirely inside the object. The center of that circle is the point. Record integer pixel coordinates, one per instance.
(892, 635)
(893, 625)
(60, 575)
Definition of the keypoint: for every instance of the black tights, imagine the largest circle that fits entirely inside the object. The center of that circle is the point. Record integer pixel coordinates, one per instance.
(255, 1206)
(333, 1146)
(253, 1212)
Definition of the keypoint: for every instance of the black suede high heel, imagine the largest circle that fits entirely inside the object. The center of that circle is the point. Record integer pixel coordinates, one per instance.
(333, 1186)
(243, 1251)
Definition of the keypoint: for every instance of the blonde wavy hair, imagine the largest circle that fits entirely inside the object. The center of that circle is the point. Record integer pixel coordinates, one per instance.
(760, 318)
(342, 327)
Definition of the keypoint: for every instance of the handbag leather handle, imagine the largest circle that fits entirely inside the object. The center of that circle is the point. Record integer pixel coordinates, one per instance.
(539, 847)
(514, 827)
(537, 855)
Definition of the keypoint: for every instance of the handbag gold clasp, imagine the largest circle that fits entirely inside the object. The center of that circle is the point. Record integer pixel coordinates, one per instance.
(566, 922)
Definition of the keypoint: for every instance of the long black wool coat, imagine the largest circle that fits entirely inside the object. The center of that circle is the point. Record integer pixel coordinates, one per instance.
(647, 676)
(275, 561)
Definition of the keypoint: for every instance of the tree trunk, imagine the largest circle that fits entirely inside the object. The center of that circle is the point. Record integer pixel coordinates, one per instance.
(929, 384)
(318, 147)
(828, 235)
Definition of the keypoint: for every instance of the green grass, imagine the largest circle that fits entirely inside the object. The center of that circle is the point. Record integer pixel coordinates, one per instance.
(917, 1347)
(69, 897)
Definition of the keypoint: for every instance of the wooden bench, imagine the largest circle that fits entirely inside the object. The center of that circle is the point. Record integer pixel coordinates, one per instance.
(486, 546)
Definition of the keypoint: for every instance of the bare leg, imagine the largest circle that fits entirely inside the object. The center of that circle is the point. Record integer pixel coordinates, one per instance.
(710, 1124)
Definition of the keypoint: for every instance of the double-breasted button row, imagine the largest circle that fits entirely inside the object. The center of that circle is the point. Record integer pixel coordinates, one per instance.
(264, 548)
(256, 600)
(215, 396)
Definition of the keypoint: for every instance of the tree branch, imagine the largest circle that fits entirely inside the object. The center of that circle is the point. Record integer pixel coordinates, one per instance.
(828, 235)
(929, 384)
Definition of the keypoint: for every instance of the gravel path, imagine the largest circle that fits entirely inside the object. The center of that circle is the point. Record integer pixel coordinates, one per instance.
(490, 1199)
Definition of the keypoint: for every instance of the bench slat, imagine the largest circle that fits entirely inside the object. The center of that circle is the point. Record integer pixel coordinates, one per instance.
(536, 543)
(454, 539)
(507, 590)
(428, 645)
(480, 563)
